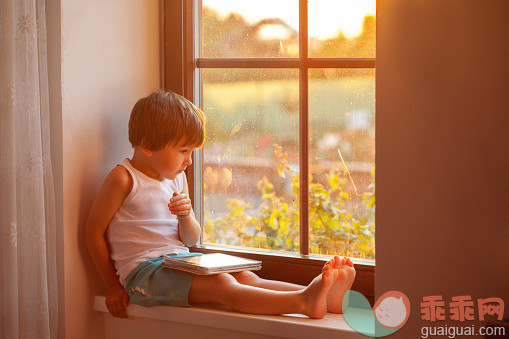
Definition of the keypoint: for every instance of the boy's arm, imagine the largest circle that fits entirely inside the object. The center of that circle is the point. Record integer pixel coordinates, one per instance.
(189, 228)
(109, 199)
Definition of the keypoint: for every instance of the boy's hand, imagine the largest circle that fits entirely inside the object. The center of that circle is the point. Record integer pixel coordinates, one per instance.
(116, 301)
(180, 205)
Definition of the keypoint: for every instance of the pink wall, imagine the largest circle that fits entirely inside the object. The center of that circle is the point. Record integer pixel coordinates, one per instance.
(442, 118)
(109, 59)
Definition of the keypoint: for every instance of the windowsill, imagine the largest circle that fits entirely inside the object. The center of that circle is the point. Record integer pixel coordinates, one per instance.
(219, 317)
(367, 265)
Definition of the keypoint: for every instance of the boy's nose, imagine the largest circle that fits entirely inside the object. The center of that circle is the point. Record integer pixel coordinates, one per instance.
(189, 160)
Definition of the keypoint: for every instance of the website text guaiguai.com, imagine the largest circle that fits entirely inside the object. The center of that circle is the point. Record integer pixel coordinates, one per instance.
(453, 331)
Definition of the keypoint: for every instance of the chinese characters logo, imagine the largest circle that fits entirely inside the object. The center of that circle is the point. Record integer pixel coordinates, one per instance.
(461, 308)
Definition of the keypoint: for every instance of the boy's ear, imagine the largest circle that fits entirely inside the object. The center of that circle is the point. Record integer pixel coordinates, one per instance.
(145, 150)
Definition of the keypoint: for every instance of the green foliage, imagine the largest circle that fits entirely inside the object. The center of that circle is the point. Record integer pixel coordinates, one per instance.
(338, 223)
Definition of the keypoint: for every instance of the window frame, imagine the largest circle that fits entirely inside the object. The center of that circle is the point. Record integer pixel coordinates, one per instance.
(180, 71)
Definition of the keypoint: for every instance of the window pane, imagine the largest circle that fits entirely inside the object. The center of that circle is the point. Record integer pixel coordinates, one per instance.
(251, 158)
(250, 28)
(342, 160)
(341, 28)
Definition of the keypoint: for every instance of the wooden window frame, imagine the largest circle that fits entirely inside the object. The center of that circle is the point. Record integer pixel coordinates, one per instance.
(178, 65)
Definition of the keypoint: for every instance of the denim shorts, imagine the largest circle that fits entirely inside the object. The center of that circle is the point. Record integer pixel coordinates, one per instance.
(150, 284)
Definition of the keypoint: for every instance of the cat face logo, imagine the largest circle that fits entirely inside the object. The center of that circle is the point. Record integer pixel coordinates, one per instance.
(389, 314)
(390, 309)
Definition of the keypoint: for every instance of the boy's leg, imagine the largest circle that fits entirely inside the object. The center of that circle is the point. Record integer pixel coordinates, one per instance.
(343, 277)
(224, 289)
(251, 279)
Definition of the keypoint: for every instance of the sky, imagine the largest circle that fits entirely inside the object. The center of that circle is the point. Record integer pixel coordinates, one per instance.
(325, 17)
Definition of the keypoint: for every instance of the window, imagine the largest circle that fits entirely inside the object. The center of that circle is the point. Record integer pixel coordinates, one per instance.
(287, 171)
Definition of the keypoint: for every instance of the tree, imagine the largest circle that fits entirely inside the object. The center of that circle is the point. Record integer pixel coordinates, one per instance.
(338, 224)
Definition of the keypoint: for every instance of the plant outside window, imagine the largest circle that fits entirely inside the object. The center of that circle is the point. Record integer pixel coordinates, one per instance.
(251, 156)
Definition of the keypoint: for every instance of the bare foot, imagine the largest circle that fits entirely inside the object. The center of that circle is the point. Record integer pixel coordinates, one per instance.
(343, 274)
(315, 295)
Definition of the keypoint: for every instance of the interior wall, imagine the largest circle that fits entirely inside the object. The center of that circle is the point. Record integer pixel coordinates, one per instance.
(442, 117)
(109, 59)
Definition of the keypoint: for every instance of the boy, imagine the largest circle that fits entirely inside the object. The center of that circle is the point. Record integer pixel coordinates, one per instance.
(144, 209)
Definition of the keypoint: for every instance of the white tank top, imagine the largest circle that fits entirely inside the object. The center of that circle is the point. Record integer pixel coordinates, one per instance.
(143, 228)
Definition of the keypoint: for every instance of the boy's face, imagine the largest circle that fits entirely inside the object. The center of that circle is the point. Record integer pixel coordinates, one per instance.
(172, 160)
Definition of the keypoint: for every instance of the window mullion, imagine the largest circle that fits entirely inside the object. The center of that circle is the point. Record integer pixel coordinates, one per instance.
(303, 129)
(285, 62)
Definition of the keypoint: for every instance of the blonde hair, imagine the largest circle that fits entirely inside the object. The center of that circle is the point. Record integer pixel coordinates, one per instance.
(165, 118)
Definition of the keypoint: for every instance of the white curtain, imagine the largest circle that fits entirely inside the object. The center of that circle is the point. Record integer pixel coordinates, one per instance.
(28, 273)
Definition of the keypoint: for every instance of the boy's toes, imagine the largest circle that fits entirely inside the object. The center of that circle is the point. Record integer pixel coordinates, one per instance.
(327, 277)
(329, 274)
(327, 266)
(337, 261)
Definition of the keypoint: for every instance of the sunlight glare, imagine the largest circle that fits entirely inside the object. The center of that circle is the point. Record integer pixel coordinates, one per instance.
(270, 32)
(326, 17)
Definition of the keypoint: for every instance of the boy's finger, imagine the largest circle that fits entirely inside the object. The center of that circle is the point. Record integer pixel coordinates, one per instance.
(174, 199)
(180, 202)
(110, 309)
(123, 313)
(114, 311)
(183, 211)
(120, 311)
(180, 208)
